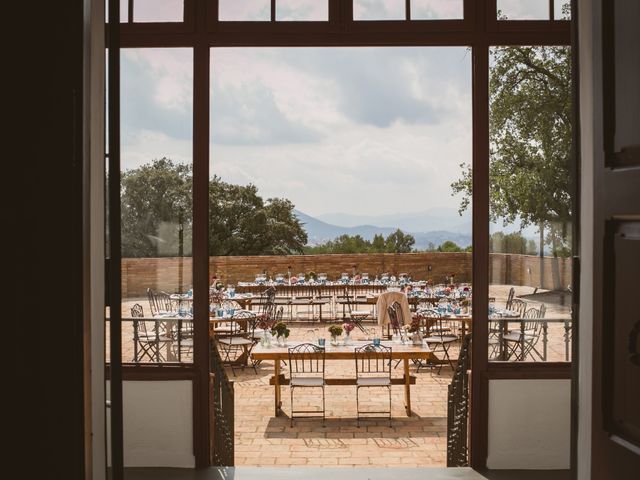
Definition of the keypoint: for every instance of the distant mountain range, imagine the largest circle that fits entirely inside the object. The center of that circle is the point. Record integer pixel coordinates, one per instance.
(320, 230)
(432, 219)
(435, 225)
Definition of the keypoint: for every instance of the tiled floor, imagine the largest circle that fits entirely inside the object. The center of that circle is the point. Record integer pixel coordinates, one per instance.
(265, 440)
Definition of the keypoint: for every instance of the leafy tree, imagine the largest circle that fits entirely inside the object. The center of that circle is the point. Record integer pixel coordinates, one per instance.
(285, 234)
(156, 209)
(241, 223)
(396, 242)
(157, 216)
(378, 244)
(449, 246)
(399, 242)
(530, 140)
(511, 243)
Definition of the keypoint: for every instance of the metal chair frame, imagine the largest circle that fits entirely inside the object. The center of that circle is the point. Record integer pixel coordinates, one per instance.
(306, 370)
(395, 313)
(438, 336)
(373, 370)
(239, 341)
(522, 343)
(267, 308)
(146, 344)
(510, 296)
(497, 328)
(355, 316)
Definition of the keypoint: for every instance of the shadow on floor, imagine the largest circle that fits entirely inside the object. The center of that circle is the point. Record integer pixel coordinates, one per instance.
(268, 473)
(278, 427)
(527, 474)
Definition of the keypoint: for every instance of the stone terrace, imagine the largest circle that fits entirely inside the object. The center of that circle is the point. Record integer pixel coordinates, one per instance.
(262, 439)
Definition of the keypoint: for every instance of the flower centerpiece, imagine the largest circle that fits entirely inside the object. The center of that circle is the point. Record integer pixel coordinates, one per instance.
(216, 298)
(335, 331)
(414, 330)
(347, 327)
(465, 303)
(281, 332)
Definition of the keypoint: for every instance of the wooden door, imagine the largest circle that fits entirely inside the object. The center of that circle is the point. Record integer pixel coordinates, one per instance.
(616, 382)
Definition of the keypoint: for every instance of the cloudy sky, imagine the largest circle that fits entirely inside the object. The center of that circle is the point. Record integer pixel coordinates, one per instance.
(355, 130)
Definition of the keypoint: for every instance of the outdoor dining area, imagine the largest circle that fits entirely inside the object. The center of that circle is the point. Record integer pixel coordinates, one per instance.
(394, 309)
(366, 383)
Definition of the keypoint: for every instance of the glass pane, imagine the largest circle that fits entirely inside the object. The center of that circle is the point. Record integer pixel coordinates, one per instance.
(523, 9)
(437, 9)
(562, 10)
(244, 10)
(297, 132)
(531, 211)
(156, 126)
(379, 10)
(302, 10)
(145, 11)
(124, 10)
(331, 172)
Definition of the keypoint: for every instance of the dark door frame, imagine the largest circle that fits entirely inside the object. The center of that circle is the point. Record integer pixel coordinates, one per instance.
(201, 31)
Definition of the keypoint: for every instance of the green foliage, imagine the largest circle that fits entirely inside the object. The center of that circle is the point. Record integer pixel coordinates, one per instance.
(511, 243)
(335, 330)
(378, 244)
(157, 216)
(280, 329)
(399, 242)
(530, 139)
(156, 209)
(449, 246)
(241, 223)
(396, 242)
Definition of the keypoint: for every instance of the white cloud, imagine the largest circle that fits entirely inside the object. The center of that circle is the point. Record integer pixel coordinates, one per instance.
(357, 130)
(247, 10)
(393, 125)
(524, 10)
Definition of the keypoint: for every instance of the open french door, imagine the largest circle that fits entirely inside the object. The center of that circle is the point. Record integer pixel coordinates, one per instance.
(616, 369)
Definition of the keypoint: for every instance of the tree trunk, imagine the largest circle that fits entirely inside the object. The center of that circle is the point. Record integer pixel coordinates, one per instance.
(555, 265)
(180, 253)
(541, 254)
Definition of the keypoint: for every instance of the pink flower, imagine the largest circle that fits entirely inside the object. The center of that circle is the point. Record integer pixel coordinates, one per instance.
(347, 327)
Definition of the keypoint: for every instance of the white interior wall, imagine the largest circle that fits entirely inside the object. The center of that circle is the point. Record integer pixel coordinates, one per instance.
(158, 423)
(529, 424)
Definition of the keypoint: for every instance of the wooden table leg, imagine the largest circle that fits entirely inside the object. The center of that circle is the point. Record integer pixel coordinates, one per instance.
(407, 387)
(276, 386)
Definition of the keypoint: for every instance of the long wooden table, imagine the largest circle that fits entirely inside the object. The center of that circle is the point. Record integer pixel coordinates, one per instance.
(398, 352)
